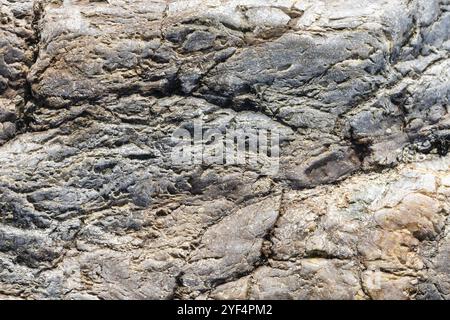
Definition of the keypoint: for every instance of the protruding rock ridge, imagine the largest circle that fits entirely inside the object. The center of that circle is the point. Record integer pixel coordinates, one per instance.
(93, 206)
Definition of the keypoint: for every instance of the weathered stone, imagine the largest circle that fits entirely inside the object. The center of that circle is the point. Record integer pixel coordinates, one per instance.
(93, 205)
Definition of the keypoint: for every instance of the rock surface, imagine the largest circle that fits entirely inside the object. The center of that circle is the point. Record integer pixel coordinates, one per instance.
(93, 207)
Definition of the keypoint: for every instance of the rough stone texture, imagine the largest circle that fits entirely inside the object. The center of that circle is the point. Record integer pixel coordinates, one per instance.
(92, 207)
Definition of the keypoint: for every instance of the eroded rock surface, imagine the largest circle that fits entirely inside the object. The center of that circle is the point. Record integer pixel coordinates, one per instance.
(92, 205)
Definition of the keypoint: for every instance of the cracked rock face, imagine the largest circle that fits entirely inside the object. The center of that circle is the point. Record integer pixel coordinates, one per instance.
(93, 205)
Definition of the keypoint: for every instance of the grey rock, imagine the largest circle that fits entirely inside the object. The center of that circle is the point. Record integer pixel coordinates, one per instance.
(93, 205)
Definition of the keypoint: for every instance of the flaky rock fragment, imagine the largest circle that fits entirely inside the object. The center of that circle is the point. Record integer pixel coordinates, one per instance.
(92, 205)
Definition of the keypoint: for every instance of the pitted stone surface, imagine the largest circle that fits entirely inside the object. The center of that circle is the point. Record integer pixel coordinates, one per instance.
(92, 205)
